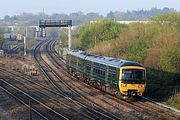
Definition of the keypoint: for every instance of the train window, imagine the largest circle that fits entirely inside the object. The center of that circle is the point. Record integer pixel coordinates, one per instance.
(99, 72)
(95, 70)
(112, 75)
(88, 68)
(103, 73)
(133, 74)
(79, 64)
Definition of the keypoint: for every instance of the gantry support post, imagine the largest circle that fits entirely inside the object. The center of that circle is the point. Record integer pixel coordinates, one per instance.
(24, 45)
(69, 37)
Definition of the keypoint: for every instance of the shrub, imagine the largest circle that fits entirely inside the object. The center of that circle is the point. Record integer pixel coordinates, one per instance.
(136, 51)
(94, 33)
(170, 60)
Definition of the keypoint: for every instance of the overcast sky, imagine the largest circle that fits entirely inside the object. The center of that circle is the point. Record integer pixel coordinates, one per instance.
(15, 7)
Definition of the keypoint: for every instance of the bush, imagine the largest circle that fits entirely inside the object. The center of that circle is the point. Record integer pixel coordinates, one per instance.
(94, 33)
(136, 51)
(171, 20)
(170, 60)
(174, 101)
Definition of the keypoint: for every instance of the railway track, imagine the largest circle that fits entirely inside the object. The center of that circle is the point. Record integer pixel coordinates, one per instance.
(9, 85)
(141, 105)
(52, 76)
(62, 74)
(78, 101)
(55, 101)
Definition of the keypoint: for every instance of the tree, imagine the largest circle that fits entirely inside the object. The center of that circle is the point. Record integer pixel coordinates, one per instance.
(110, 15)
(171, 20)
(6, 18)
(100, 31)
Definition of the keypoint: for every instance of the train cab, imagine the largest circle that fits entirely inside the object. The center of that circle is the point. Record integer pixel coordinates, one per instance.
(132, 81)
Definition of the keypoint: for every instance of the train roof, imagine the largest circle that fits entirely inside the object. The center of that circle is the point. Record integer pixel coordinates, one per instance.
(103, 59)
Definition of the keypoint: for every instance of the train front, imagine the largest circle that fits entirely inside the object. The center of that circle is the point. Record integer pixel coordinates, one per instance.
(132, 81)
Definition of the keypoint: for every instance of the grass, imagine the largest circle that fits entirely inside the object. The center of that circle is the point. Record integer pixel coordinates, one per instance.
(164, 93)
(174, 101)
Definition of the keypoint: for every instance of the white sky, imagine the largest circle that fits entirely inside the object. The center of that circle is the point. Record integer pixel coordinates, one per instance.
(14, 7)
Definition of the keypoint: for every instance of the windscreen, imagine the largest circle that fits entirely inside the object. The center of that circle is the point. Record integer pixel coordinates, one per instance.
(133, 74)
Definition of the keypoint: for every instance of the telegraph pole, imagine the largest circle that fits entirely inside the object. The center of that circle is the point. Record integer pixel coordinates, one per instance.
(26, 32)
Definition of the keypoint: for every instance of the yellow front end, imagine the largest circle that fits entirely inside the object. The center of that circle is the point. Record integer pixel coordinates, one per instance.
(132, 87)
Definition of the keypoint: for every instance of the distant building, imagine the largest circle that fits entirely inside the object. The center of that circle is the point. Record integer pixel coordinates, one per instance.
(13, 36)
(128, 22)
(19, 37)
(125, 22)
(9, 36)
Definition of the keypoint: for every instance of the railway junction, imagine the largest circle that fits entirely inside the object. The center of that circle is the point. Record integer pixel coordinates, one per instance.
(53, 93)
(40, 86)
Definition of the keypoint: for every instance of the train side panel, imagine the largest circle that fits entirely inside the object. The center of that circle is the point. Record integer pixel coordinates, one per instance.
(94, 73)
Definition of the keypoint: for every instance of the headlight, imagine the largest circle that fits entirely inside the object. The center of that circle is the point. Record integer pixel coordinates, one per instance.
(123, 85)
(140, 86)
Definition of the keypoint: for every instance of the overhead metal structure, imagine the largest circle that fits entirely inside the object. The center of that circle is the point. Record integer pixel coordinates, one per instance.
(56, 23)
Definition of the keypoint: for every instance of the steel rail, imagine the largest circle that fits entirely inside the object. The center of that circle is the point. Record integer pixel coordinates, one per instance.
(53, 83)
(73, 90)
(34, 99)
(91, 111)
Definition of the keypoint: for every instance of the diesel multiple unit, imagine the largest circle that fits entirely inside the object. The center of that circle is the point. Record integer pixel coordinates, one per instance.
(123, 78)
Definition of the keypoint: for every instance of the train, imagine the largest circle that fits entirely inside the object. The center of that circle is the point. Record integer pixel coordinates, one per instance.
(122, 78)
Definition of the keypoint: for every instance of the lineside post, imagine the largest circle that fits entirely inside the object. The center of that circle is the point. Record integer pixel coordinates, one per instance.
(24, 45)
(69, 37)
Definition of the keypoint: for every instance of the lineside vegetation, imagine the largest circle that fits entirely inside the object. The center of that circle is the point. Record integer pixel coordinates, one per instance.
(155, 44)
(1, 37)
(100, 31)
(1, 118)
